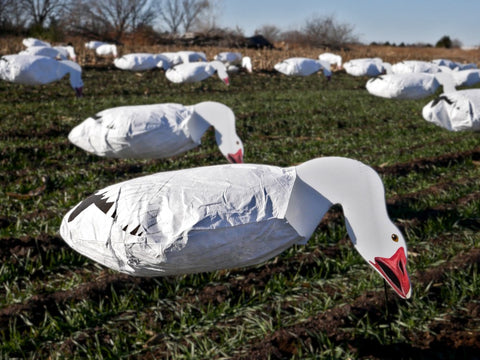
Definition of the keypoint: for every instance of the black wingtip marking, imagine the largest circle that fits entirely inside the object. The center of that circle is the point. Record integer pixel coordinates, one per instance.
(97, 199)
(440, 98)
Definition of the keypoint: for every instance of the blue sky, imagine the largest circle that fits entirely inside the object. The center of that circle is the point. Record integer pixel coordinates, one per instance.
(409, 21)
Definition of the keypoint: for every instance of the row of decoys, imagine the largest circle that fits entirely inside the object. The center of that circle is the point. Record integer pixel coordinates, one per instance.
(221, 216)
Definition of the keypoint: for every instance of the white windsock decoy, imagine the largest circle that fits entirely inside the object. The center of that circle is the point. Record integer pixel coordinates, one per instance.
(332, 59)
(197, 71)
(157, 131)
(106, 50)
(172, 57)
(415, 66)
(55, 52)
(364, 67)
(39, 70)
(409, 85)
(27, 42)
(229, 216)
(300, 66)
(468, 77)
(191, 56)
(455, 110)
(92, 45)
(142, 62)
(233, 60)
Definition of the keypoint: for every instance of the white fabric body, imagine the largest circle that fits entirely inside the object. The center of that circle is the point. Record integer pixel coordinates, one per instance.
(298, 66)
(229, 58)
(34, 42)
(468, 77)
(140, 61)
(190, 72)
(364, 67)
(186, 221)
(38, 70)
(106, 49)
(455, 111)
(403, 86)
(332, 59)
(415, 66)
(94, 44)
(48, 51)
(146, 131)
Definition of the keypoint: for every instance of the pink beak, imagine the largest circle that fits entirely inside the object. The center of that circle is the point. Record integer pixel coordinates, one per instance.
(394, 270)
(226, 81)
(236, 158)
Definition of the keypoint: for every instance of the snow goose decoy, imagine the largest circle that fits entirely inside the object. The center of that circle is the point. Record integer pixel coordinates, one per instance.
(467, 77)
(92, 45)
(157, 131)
(142, 62)
(332, 59)
(106, 50)
(364, 67)
(408, 85)
(416, 66)
(229, 216)
(233, 60)
(39, 70)
(197, 71)
(455, 110)
(55, 52)
(27, 42)
(300, 66)
(191, 56)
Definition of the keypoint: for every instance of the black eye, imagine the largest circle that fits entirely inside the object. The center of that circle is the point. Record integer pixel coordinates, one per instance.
(395, 237)
(238, 142)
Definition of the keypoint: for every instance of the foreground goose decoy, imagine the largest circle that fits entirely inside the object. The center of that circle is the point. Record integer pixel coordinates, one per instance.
(455, 110)
(300, 66)
(197, 71)
(39, 70)
(157, 131)
(229, 216)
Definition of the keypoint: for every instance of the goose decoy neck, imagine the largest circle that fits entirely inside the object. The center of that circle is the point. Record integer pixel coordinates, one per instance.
(222, 118)
(359, 190)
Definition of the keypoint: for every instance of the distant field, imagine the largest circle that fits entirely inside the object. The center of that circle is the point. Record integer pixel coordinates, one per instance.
(315, 301)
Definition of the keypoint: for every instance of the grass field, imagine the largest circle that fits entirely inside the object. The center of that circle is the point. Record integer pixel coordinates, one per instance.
(315, 301)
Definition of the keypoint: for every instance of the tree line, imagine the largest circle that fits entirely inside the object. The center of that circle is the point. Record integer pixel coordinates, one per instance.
(113, 19)
(102, 18)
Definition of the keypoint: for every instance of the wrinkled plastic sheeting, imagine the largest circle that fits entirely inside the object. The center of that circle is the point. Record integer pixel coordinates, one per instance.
(403, 86)
(298, 66)
(455, 111)
(155, 131)
(364, 67)
(186, 221)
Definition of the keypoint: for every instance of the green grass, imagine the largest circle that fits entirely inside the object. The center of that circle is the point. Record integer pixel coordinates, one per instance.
(282, 121)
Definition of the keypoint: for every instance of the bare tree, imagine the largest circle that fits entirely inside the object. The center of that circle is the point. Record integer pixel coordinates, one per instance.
(270, 32)
(185, 14)
(5, 8)
(172, 14)
(326, 31)
(121, 16)
(39, 11)
(192, 10)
